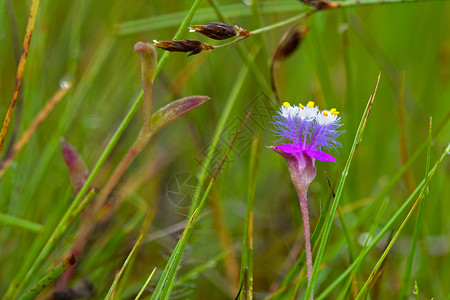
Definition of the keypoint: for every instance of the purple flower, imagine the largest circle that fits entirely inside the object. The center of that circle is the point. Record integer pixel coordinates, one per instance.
(307, 130)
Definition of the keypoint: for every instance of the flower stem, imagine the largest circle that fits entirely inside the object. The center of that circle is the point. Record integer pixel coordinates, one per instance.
(148, 71)
(307, 234)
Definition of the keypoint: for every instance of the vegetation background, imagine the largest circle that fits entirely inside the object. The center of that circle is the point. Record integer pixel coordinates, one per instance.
(89, 44)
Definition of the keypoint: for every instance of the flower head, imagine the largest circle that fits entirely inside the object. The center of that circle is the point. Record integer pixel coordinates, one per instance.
(307, 130)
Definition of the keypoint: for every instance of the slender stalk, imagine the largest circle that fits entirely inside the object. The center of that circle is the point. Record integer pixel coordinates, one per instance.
(20, 69)
(307, 233)
(18, 146)
(137, 147)
(247, 242)
(166, 281)
(410, 260)
(49, 278)
(20, 223)
(364, 289)
(180, 31)
(226, 111)
(148, 70)
(388, 225)
(112, 289)
(145, 284)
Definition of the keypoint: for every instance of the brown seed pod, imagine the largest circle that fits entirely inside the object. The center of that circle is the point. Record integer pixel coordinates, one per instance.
(290, 43)
(214, 30)
(192, 46)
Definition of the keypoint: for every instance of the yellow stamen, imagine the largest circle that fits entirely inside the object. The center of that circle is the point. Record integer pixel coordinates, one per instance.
(286, 104)
(335, 113)
(311, 104)
(301, 106)
(325, 113)
(332, 110)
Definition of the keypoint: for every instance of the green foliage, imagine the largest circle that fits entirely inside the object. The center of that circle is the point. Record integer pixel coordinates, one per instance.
(90, 44)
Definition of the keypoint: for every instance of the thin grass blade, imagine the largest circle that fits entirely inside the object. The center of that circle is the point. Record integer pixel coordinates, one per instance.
(110, 294)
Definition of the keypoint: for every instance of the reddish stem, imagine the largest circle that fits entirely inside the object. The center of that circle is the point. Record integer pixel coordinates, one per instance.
(307, 234)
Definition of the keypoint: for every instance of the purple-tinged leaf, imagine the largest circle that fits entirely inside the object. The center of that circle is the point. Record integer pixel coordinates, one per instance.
(175, 109)
(78, 171)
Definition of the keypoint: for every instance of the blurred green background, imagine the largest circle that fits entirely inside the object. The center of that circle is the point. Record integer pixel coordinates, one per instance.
(90, 43)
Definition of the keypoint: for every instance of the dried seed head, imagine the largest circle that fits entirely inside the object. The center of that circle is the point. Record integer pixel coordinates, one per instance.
(192, 46)
(214, 30)
(320, 4)
(290, 43)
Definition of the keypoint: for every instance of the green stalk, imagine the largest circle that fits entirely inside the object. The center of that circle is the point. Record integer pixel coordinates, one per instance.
(412, 252)
(166, 281)
(226, 111)
(122, 269)
(385, 229)
(247, 243)
(49, 278)
(374, 226)
(145, 285)
(427, 180)
(21, 223)
(243, 53)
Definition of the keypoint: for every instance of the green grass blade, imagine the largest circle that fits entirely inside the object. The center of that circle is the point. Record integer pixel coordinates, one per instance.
(232, 11)
(122, 269)
(61, 228)
(49, 278)
(163, 286)
(21, 223)
(247, 242)
(24, 275)
(231, 100)
(410, 260)
(383, 231)
(202, 267)
(427, 179)
(374, 226)
(145, 285)
(330, 217)
(166, 280)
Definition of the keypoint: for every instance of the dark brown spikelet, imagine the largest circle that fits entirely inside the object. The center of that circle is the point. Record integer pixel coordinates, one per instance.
(214, 30)
(290, 43)
(320, 4)
(192, 46)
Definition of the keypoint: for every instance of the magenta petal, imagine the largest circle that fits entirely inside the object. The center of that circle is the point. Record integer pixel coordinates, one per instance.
(288, 148)
(319, 155)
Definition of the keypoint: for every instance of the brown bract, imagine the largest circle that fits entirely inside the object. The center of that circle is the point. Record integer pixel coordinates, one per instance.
(214, 30)
(320, 4)
(242, 32)
(192, 46)
(291, 43)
